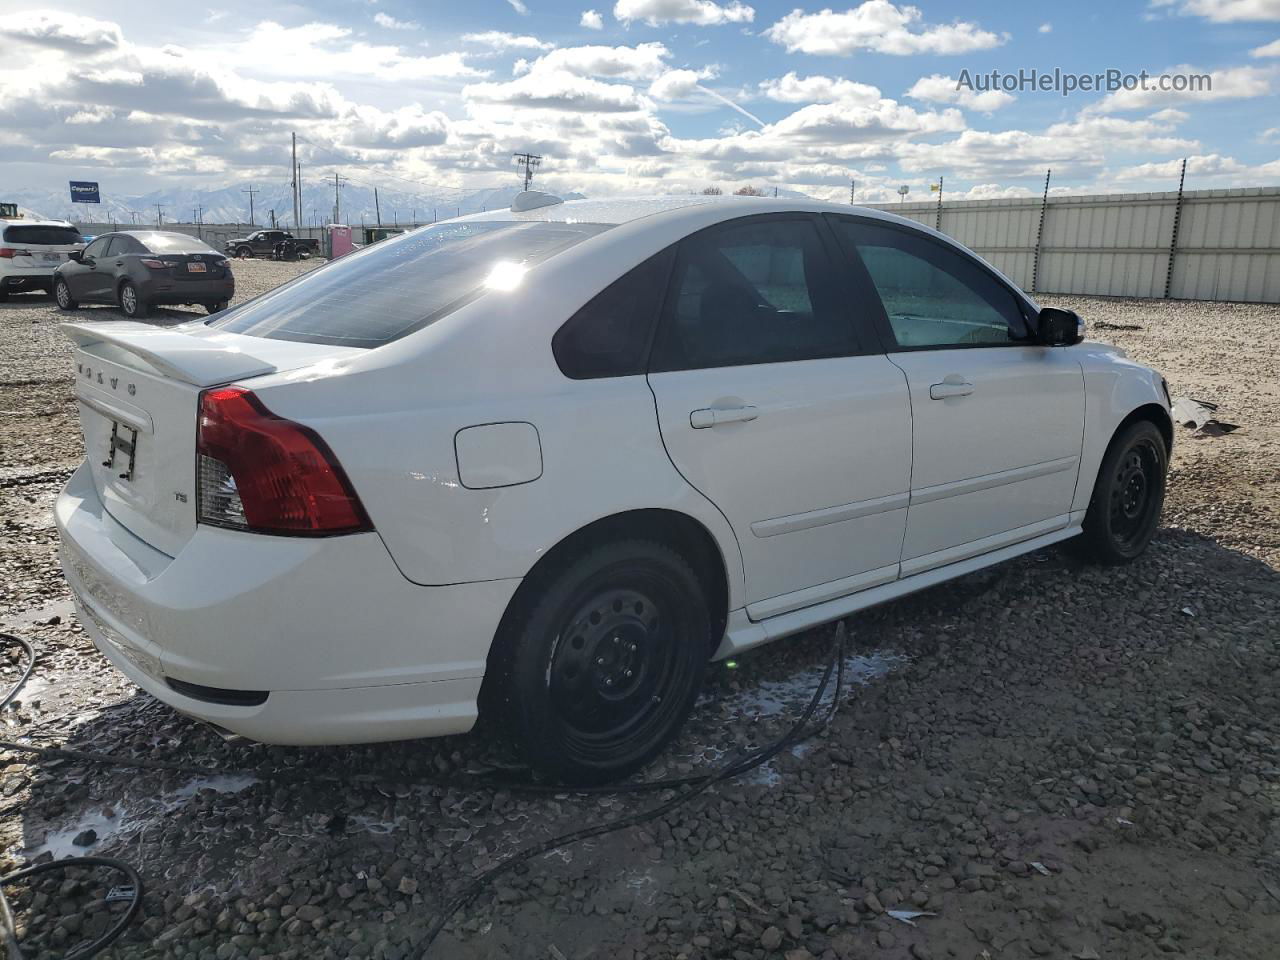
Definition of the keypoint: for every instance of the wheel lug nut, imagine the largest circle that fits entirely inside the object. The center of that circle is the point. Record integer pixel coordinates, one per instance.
(633, 648)
(608, 681)
(628, 674)
(599, 661)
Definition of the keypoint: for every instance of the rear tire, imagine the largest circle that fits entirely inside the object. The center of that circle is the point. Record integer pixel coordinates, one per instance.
(1127, 497)
(216, 307)
(602, 664)
(62, 294)
(132, 303)
(4, 294)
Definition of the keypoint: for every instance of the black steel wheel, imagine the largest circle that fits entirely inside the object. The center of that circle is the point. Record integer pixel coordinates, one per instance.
(606, 665)
(1128, 496)
(216, 307)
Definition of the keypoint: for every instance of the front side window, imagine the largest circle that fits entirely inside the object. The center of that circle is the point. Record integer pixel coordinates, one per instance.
(759, 291)
(933, 296)
(390, 289)
(96, 249)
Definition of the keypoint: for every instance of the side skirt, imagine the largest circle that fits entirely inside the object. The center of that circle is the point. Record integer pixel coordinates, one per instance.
(743, 634)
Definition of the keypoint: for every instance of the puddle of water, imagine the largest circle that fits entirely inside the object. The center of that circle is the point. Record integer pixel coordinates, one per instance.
(125, 818)
(768, 698)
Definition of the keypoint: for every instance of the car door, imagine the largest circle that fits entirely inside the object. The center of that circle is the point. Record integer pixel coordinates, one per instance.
(998, 420)
(775, 403)
(90, 276)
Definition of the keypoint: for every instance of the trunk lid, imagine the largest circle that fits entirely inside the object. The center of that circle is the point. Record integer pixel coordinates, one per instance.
(191, 266)
(138, 388)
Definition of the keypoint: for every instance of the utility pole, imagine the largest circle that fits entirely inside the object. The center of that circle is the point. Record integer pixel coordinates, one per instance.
(337, 198)
(159, 215)
(377, 209)
(251, 191)
(293, 170)
(273, 219)
(197, 217)
(530, 162)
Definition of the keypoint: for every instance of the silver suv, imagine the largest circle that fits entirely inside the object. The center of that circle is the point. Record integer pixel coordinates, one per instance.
(30, 250)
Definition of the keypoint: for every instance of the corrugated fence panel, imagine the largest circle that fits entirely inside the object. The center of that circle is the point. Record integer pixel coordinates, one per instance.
(1118, 245)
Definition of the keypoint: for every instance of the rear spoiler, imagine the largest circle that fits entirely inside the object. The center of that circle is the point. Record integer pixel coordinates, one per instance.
(204, 359)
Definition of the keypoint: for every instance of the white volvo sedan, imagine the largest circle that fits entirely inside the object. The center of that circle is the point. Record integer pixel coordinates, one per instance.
(549, 461)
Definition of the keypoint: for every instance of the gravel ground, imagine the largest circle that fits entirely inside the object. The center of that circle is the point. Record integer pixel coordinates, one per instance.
(1048, 760)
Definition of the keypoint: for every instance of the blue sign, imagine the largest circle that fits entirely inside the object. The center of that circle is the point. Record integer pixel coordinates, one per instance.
(84, 191)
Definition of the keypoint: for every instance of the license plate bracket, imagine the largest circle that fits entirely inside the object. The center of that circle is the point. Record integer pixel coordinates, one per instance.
(120, 444)
(196, 268)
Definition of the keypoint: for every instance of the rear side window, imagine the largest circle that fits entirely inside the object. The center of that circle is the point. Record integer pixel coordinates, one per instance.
(33, 234)
(609, 337)
(399, 285)
(759, 291)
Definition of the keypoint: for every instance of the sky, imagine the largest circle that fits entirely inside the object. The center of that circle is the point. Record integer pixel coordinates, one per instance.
(637, 96)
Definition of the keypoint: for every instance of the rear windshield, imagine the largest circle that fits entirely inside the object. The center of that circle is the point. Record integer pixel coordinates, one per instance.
(399, 285)
(52, 236)
(173, 243)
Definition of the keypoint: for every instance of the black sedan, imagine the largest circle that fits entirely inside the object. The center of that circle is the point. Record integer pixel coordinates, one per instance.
(139, 269)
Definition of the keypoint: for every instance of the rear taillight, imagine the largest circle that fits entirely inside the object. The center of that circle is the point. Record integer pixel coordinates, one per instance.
(8, 253)
(153, 264)
(257, 471)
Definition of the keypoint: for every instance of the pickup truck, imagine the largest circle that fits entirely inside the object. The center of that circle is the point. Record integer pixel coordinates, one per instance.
(277, 244)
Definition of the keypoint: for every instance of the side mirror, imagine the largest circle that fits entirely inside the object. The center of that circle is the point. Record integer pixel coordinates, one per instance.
(76, 255)
(1059, 328)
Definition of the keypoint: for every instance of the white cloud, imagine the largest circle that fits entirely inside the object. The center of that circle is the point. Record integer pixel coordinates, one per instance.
(880, 26)
(703, 13)
(644, 61)
(507, 41)
(817, 89)
(558, 90)
(519, 7)
(62, 31)
(1211, 166)
(591, 20)
(1045, 28)
(391, 23)
(991, 191)
(939, 89)
(1225, 11)
(1271, 49)
(675, 85)
(1233, 83)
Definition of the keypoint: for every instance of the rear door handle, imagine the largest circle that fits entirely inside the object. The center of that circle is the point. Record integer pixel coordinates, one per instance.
(715, 416)
(950, 388)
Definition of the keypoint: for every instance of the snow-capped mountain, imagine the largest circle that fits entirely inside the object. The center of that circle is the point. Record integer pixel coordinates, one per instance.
(230, 204)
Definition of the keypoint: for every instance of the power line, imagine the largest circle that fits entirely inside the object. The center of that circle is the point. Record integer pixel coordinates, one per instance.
(530, 162)
(251, 191)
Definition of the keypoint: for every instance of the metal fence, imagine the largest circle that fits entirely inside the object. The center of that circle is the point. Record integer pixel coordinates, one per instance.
(1193, 245)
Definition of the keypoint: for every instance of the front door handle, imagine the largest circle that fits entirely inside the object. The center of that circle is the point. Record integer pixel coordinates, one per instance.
(950, 388)
(715, 416)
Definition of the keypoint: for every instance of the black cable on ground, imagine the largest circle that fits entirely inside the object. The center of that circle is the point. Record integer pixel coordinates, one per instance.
(132, 892)
(477, 884)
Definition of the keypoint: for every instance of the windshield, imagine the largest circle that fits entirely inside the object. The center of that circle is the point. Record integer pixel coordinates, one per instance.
(173, 243)
(399, 285)
(38, 234)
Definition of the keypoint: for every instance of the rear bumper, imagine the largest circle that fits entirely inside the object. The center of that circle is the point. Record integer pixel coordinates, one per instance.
(346, 649)
(188, 291)
(28, 280)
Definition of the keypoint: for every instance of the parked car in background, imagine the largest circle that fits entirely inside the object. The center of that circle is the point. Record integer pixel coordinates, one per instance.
(551, 460)
(139, 269)
(30, 252)
(280, 244)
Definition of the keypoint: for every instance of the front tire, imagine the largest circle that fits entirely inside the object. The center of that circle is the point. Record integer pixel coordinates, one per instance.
(217, 307)
(62, 294)
(132, 303)
(599, 669)
(1127, 498)
(244, 253)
